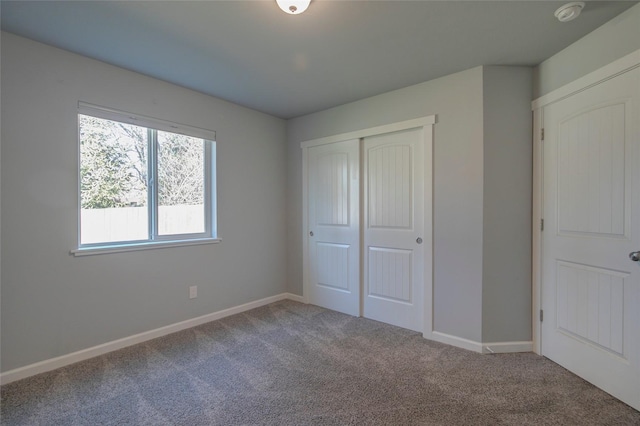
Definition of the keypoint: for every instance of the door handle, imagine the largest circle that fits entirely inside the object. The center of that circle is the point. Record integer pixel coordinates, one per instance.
(419, 240)
(634, 256)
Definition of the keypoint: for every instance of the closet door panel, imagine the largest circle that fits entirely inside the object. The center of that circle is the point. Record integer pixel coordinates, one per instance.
(333, 226)
(393, 211)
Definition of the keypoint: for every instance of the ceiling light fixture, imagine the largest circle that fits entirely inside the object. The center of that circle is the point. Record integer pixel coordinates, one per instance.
(293, 7)
(569, 11)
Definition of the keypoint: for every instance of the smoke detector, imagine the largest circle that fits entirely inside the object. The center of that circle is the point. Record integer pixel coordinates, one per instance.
(569, 11)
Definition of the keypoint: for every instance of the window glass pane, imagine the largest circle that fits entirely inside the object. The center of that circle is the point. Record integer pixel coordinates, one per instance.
(113, 181)
(181, 176)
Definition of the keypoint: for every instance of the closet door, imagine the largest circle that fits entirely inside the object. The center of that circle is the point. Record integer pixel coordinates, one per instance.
(393, 210)
(333, 226)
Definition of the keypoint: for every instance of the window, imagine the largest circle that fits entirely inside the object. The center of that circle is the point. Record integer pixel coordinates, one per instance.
(143, 182)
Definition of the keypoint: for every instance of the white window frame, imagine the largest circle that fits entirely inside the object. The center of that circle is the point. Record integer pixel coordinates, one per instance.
(155, 240)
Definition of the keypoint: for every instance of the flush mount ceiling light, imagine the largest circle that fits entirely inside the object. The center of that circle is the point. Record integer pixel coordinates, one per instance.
(569, 11)
(293, 7)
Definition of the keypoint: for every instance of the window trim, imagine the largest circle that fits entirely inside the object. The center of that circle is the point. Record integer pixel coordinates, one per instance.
(144, 245)
(155, 240)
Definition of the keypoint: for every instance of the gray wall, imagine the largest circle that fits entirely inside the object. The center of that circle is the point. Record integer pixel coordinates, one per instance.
(54, 303)
(458, 194)
(506, 255)
(611, 41)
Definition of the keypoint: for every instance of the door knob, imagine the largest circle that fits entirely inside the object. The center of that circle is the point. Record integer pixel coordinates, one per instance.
(311, 234)
(634, 255)
(419, 240)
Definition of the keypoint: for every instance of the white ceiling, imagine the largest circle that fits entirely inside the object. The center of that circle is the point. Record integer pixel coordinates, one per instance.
(253, 54)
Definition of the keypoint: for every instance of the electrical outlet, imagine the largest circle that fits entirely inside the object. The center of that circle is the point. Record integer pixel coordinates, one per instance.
(193, 292)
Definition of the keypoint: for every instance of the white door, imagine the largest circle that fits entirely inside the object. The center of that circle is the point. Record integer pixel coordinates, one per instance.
(591, 288)
(394, 250)
(333, 226)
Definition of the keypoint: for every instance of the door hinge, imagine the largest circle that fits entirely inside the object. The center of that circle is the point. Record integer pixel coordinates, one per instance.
(542, 134)
(541, 315)
(542, 224)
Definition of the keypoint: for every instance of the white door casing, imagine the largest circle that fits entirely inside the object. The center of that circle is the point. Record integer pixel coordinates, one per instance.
(590, 289)
(393, 210)
(333, 235)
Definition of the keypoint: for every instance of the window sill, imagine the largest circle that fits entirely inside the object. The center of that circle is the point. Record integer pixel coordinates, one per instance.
(90, 251)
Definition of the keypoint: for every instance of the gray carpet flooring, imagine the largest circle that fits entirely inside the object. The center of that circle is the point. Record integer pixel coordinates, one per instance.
(293, 364)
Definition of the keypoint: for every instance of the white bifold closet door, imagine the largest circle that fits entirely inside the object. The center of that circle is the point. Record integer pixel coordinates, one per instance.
(365, 201)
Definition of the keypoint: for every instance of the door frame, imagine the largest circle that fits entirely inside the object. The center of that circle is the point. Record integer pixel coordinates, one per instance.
(426, 124)
(615, 68)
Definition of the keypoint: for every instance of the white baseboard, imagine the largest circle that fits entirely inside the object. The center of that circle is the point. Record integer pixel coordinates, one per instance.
(84, 354)
(61, 361)
(295, 297)
(507, 347)
(456, 341)
(483, 348)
